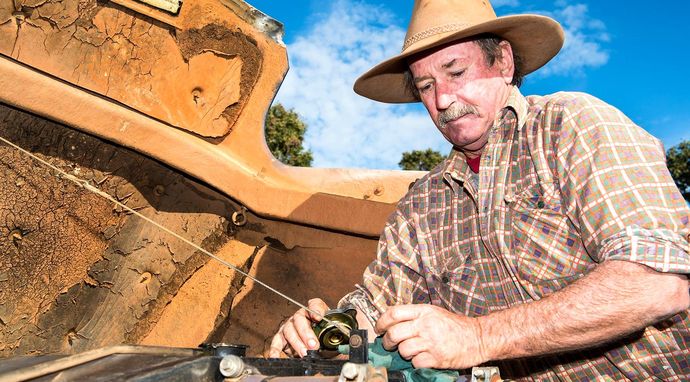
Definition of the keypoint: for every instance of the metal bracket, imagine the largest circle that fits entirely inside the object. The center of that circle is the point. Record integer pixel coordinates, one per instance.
(486, 374)
(359, 346)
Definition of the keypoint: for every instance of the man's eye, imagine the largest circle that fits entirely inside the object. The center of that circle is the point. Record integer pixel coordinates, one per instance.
(424, 87)
(457, 74)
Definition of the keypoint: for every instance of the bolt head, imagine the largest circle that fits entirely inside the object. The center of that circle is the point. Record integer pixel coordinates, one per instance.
(356, 341)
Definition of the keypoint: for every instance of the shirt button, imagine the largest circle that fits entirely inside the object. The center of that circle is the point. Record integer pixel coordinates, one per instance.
(540, 204)
(445, 279)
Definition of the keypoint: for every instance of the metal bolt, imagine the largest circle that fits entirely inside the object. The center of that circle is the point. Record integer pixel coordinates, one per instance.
(231, 366)
(239, 218)
(356, 341)
(478, 375)
(349, 371)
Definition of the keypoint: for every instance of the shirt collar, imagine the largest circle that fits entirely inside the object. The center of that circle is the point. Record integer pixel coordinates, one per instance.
(456, 168)
(518, 103)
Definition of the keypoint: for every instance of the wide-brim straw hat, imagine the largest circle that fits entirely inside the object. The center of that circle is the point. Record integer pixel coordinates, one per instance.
(535, 38)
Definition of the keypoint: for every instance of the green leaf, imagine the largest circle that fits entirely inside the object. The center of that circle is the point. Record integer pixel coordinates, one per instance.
(678, 162)
(422, 160)
(284, 133)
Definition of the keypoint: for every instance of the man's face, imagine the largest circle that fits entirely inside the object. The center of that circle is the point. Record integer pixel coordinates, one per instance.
(461, 92)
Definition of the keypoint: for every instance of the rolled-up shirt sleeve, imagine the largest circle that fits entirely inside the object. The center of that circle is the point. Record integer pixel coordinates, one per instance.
(616, 187)
(395, 276)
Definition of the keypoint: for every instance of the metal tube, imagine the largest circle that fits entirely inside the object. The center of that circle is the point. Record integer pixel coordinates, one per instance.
(54, 366)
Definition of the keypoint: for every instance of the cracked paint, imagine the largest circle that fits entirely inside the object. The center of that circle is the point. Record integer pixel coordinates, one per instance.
(113, 51)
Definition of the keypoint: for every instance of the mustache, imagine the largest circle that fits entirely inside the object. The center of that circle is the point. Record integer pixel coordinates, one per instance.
(454, 112)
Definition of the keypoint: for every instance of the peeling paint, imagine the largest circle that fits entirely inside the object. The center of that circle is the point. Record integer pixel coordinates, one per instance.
(259, 20)
(113, 51)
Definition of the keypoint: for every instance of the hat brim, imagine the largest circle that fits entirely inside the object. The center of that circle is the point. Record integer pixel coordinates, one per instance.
(537, 39)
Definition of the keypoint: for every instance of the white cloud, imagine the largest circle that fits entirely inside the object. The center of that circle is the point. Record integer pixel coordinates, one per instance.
(346, 130)
(583, 42)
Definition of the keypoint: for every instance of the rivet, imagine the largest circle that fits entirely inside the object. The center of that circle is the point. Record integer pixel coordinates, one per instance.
(159, 190)
(145, 278)
(16, 234)
(197, 97)
(19, 16)
(71, 337)
(239, 218)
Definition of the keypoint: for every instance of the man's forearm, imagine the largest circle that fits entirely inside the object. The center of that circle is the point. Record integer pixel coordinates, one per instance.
(615, 299)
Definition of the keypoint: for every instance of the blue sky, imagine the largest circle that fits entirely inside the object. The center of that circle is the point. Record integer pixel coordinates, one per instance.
(631, 54)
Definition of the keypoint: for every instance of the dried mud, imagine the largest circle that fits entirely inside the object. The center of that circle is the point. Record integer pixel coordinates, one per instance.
(78, 272)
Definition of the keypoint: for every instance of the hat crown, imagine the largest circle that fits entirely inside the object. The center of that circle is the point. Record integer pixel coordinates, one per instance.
(431, 17)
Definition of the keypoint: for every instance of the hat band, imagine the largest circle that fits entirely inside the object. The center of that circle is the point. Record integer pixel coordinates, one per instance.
(432, 31)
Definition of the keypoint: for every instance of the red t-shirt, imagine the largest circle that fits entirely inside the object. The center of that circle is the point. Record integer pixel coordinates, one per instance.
(474, 164)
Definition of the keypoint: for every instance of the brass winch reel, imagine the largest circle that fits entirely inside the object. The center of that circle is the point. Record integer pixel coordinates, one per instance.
(331, 334)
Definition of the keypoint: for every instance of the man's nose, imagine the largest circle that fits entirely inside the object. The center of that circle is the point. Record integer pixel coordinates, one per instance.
(444, 96)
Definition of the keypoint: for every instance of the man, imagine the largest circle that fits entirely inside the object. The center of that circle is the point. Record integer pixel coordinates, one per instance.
(552, 241)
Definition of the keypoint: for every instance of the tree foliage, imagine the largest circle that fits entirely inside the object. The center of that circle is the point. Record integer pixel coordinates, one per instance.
(423, 160)
(285, 136)
(678, 161)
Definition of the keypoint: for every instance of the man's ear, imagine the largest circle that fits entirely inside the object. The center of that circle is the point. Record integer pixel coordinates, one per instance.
(505, 61)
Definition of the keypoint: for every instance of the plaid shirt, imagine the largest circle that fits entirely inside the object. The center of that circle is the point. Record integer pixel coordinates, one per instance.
(566, 182)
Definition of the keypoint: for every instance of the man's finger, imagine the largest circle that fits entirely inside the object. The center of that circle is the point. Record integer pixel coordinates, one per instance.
(294, 339)
(397, 314)
(319, 306)
(304, 330)
(424, 360)
(277, 345)
(410, 348)
(399, 333)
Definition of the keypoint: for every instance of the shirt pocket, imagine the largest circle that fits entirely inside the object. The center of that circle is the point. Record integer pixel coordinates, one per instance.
(547, 249)
(457, 286)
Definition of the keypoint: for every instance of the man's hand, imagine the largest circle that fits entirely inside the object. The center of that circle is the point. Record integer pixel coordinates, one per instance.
(296, 335)
(432, 337)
